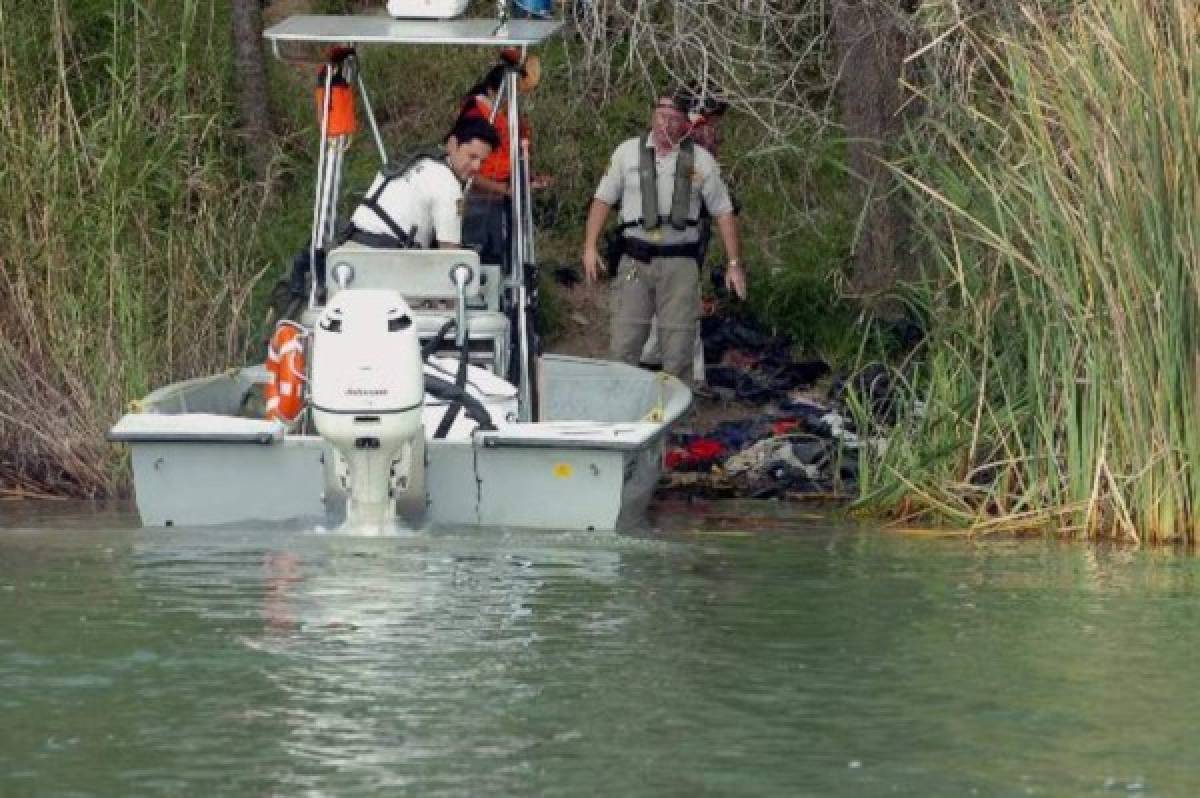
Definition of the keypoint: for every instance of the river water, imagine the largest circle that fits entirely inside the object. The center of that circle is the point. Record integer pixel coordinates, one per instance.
(732, 649)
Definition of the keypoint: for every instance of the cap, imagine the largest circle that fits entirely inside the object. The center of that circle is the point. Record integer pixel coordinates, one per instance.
(699, 101)
(530, 68)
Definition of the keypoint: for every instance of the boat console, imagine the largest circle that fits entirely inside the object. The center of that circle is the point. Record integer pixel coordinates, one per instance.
(422, 277)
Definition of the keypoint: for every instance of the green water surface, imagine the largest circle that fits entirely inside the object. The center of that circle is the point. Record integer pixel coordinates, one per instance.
(728, 649)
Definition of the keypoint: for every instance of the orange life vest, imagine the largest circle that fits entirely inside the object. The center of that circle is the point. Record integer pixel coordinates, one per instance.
(496, 166)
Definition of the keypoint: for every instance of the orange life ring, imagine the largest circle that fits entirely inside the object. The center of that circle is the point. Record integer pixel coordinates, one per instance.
(285, 367)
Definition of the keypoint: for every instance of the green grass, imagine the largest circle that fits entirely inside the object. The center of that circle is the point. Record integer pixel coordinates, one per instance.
(130, 236)
(1062, 213)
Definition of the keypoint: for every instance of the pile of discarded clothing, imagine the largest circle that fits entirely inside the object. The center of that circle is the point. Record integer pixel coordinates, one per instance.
(801, 449)
(744, 363)
(803, 444)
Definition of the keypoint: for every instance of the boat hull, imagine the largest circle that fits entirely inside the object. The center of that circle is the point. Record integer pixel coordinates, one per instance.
(591, 464)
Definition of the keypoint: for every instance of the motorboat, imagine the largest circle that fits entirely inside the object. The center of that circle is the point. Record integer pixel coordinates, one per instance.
(418, 393)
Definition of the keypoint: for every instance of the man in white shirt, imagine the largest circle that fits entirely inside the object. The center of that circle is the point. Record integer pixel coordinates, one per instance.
(422, 202)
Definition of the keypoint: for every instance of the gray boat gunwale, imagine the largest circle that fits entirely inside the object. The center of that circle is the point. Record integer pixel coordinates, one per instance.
(256, 438)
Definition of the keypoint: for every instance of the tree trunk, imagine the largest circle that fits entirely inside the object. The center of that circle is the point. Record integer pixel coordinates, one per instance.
(870, 45)
(251, 82)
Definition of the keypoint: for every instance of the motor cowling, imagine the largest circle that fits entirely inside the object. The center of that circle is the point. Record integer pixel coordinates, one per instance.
(366, 392)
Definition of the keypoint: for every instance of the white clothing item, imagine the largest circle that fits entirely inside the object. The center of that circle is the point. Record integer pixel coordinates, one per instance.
(428, 197)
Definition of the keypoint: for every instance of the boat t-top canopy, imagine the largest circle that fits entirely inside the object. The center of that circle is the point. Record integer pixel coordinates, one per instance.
(332, 29)
(338, 31)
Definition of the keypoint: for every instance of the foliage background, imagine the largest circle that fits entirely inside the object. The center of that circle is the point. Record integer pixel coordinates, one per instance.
(1045, 159)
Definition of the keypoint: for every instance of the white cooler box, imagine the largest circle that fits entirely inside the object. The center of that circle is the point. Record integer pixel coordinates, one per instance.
(426, 9)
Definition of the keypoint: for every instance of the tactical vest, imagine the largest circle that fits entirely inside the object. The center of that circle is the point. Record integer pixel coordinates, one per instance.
(681, 200)
(681, 192)
(403, 239)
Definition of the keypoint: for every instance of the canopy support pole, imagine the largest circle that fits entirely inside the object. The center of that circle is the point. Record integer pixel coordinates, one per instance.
(520, 253)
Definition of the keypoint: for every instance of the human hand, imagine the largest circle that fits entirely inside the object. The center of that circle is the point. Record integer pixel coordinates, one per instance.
(735, 278)
(591, 259)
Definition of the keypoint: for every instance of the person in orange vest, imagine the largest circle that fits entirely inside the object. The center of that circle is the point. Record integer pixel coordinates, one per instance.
(487, 217)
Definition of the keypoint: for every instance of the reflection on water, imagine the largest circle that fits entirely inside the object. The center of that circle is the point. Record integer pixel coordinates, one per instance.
(725, 649)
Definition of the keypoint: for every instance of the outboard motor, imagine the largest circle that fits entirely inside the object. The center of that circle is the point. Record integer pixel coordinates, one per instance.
(367, 390)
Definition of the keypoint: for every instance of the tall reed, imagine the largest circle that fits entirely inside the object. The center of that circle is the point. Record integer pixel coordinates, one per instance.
(1062, 211)
(128, 252)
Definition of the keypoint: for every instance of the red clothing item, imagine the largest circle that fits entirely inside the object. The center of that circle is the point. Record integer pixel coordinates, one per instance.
(498, 166)
(700, 454)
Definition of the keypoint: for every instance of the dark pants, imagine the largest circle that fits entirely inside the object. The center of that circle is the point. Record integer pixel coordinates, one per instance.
(486, 226)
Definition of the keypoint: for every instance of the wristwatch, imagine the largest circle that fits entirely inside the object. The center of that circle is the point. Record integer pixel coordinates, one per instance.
(733, 262)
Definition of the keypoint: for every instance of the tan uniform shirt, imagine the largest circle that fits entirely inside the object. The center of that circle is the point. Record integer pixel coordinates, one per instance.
(622, 185)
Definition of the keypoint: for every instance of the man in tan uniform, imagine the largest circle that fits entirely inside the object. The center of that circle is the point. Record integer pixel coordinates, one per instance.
(658, 273)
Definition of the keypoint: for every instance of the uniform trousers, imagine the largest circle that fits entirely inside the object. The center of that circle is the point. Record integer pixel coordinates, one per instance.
(665, 287)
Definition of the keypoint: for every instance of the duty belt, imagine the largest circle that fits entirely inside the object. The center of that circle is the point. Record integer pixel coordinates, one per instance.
(644, 251)
(661, 220)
